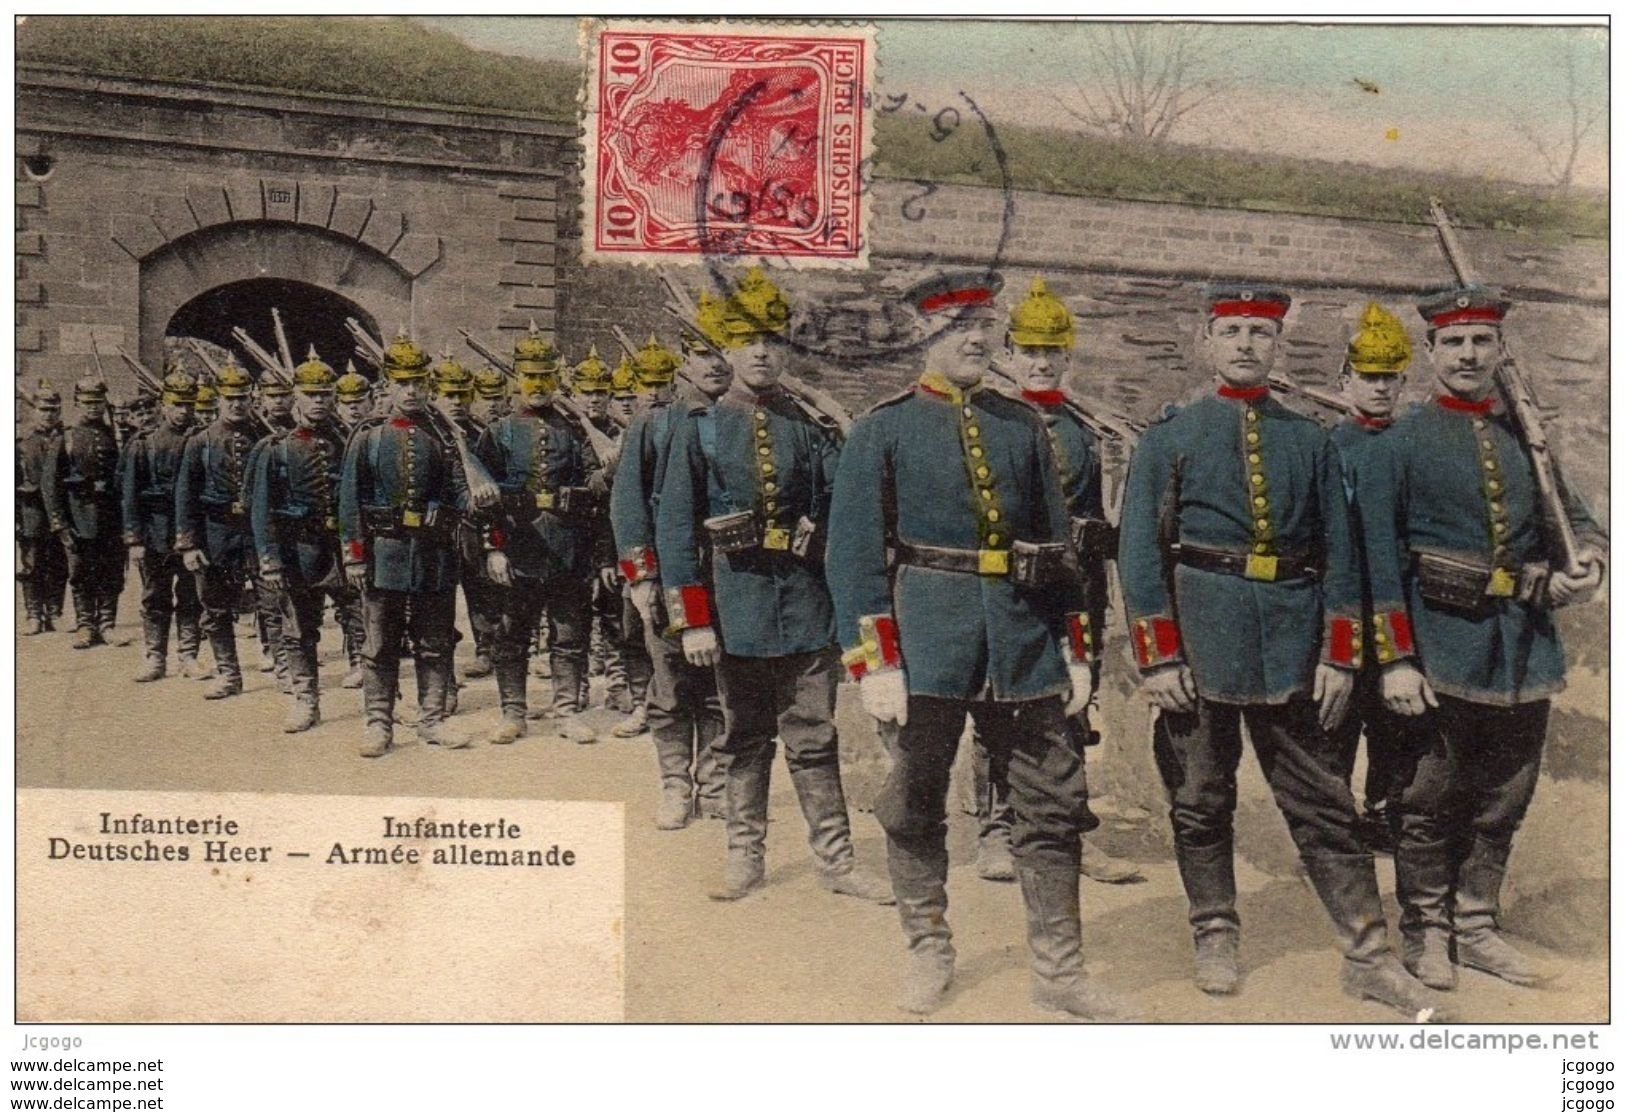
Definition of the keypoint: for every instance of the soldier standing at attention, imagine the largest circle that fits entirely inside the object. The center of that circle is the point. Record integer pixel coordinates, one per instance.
(401, 490)
(352, 394)
(41, 564)
(541, 548)
(1372, 378)
(295, 518)
(211, 520)
(1255, 616)
(490, 396)
(151, 467)
(590, 383)
(1465, 575)
(749, 480)
(207, 408)
(684, 712)
(79, 485)
(983, 615)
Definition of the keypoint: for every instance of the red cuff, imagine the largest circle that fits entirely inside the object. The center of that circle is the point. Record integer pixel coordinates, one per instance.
(1341, 646)
(496, 538)
(1391, 635)
(1080, 639)
(1156, 642)
(639, 564)
(689, 607)
(877, 648)
(356, 552)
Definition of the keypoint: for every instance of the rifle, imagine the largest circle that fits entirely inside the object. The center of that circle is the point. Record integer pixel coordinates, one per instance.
(602, 446)
(282, 342)
(1326, 398)
(1108, 425)
(370, 350)
(142, 375)
(816, 403)
(1523, 409)
(631, 350)
(265, 359)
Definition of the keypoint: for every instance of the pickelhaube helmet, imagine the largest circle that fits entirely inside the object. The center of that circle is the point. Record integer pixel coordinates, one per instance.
(490, 383)
(655, 364)
(755, 309)
(46, 397)
(534, 354)
(1379, 346)
(592, 374)
(624, 382)
(708, 318)
(452, 380)
(208, 398)
(90, 389)
(313, 376)
(231, 381)
(404, 361)
(179, 388)
(352, 387)
(1041, 319)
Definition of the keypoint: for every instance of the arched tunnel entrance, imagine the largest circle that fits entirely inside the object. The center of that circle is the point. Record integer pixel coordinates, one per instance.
(311, 316)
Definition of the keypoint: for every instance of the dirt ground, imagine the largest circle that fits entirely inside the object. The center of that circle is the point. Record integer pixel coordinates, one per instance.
(794, 952)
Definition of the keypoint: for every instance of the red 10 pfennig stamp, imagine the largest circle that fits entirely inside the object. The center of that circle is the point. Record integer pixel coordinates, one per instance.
(709, 141)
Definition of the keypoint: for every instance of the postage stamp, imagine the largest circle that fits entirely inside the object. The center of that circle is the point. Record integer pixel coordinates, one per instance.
(727, 139)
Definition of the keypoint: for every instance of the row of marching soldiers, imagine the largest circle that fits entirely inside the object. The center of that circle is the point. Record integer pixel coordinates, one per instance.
(1390, 579)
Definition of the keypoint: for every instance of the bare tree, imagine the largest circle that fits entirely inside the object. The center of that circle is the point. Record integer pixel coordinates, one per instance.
(1140, 79)
(1584, 108)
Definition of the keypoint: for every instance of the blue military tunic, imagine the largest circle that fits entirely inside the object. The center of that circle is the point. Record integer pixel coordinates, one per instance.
(534, 460)
(1238, 473)
(971, 471)
(1077, 455)
(1457, 481)
(32, 451)
(761, 455)
(152, 464)
(635, 494)
(295, 504)
(400, 494)
(211, 508)
(79, 483)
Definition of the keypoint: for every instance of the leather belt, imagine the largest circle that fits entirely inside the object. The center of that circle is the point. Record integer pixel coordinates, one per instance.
(966, 561)
(1262, 569)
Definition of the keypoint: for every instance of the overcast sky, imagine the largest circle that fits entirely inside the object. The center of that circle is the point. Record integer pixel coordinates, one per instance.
(1459, 98)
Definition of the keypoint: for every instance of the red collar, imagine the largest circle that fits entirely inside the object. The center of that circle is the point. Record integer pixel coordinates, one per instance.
(1049, 399)
(1481, 408)
(1372, 422)
(400, 422)
(1243, 393)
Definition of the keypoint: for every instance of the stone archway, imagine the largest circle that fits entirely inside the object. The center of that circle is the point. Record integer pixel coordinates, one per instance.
(312, 317)
(214, 270)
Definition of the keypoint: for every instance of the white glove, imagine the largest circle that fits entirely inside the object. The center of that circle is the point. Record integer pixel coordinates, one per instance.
(1406, 690)
(700, 646)
(885, 695)
(498, 569)
(194, 560)
(1083, 688)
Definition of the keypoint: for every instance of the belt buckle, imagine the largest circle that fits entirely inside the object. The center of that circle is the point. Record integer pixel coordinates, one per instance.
(776, 539)
(544, 500)
(237, 508)
(331, 524)
(411, 519)
(1503, 584)
(992, 561)
(1262, 568)
(100, 486)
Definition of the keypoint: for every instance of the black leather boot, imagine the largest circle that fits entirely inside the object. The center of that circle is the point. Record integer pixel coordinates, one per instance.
(1424, 872)
(919, 880)
(829, 833)
(748, 777)
(1479, 941)
(1055, 938)
(1208, 873)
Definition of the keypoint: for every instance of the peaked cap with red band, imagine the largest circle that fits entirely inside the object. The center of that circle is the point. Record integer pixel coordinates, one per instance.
(955, 291)
(1473, 304)
(1248, 301)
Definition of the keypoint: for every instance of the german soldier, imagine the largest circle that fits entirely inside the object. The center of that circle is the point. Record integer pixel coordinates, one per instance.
(400, 491)
(541, 550)
(629, 668)
(79, 485)
(352, 396)
(212, 531)
(1255, 616)
(207, 407)
(684, 712)
(295, 518)
(984, 615)
(590, 384)
(1459, 544)
(1372, 379)
(152, 465)
(749, 481)
(490, 396)
(42, 566)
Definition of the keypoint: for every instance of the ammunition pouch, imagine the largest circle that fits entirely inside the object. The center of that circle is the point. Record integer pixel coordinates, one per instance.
(735, 532)
(1041, 565)
(1471, 586)
(403, 522)
(808, 540)
(1093, 539)
(525, 506)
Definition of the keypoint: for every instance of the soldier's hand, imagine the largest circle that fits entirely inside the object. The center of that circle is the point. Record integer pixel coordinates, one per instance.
(1172, 688)
(484, 493)
(1406, 690)
(136, 553)
(1333, 686)
(356, 576)
(1083, 688)
(69, 541)
(272, 579)
(885, 695)
(498, 569)
(194, 560)
(643, 597)
(1564, 588)
(610, 578)
(700, 646)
